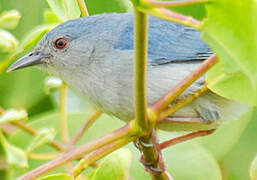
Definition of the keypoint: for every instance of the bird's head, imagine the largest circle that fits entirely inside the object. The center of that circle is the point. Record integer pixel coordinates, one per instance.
(64, 48)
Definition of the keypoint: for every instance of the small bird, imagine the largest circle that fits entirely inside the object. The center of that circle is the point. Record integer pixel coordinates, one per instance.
(95, 56)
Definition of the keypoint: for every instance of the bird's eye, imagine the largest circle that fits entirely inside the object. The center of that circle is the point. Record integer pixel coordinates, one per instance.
(61, 43)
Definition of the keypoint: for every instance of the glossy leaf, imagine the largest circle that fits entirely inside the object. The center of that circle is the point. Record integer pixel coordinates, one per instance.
(43, 137)
(230, 29)
(14, 155)
(57, 177)
(12, 115)
(8, 42)
(35, 35)
(220, 146)
(9, 19)
(253, 169)
(65, 9)
(114, 167)
(50, 17)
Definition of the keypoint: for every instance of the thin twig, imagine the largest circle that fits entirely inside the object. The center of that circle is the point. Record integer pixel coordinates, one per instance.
(42, 157)
(141, 27)
(128, 130)
(186, 137)
(174, 17)
(63, 118)
(98, 154)
(88, 123)
(83, 8)
(170, 4)
(181, 103)
(164, 101)
(33, 132)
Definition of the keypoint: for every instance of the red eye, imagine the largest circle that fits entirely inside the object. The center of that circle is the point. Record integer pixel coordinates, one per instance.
(61, 43)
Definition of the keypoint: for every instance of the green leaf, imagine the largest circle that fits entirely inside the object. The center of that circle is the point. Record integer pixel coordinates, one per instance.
(114, 167)
(52, 83)
(9, 19)
(100, 6)
(43, 137)
(8, 42)
(220, 146)
(12, 115)
(14, 155)
(253, 169)
(35, 35)
(50, 17)
(65, 9)
(57, 177)
(230, 29)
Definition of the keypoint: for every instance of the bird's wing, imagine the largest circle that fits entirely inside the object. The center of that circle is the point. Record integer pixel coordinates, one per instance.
(167, 42)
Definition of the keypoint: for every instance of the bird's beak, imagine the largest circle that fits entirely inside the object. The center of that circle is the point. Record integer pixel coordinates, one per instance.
(28, 60)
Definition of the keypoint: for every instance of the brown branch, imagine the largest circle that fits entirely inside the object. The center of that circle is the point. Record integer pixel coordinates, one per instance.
(170, 4)
(88, 123)
(152, 157)
(164, 101)
(126, 131)
(186, 137)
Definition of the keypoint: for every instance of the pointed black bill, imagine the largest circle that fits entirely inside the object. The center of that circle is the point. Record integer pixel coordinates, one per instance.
(28, 60)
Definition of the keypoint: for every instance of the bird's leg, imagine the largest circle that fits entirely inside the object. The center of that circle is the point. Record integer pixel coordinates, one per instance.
(154, 165)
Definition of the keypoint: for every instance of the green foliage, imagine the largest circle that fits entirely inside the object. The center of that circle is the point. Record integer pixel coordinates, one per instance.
(43, 137)
(65, 9)
(14, 155)
(57, 177)
(115, 166)
(230, 29)
(9, 19)
(13, 115)
(7, 41)
(253, 169)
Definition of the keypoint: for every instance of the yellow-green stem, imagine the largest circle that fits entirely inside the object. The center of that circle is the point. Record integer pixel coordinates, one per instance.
(141, 25)
(63, 120)
(181, 103)
(170, 4)
(98, 154)
(129, 130)
(88, 123)
(83, 8)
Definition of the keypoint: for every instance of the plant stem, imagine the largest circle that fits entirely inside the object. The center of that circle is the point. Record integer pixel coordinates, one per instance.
(128, 130)
(83, 8)
(164, 101)
(170, 4)
(42, 157)
(88, 123)
(141, 23)
(186, 137)
(98, 154)
(63, 119)
(181, 103)
(174, 17)
(33, 132)
(153, 159)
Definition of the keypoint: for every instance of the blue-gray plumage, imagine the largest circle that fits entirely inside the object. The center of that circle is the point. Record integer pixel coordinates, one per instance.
(95, 56)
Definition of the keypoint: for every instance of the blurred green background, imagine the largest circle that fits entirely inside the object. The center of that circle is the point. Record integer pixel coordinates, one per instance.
(233, 146)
